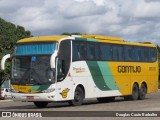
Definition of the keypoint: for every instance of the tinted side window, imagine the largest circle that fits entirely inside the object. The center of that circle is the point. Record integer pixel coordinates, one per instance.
(153, 54)
(129, 53)
(79, 51)
(117, 52)
(92, 52)
(65, 55)
(106, 52)
(139, 54)
(146, 54)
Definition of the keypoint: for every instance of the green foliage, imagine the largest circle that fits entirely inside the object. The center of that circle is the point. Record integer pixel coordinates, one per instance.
(74, 33)
(9, 34)
(158, 49)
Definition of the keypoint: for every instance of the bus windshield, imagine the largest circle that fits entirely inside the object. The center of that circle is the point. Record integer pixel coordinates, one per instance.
(31, 63)
(32, 70)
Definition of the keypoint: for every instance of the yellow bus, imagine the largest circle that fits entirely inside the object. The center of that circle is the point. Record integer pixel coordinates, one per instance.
(73, 68)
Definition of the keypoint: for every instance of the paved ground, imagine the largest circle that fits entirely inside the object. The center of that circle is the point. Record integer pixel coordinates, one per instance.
(151, 103)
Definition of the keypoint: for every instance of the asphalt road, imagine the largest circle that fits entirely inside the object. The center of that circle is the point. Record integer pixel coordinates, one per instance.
(151, 103)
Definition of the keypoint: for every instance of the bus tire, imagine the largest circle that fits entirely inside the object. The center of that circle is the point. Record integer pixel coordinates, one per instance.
(106, 99)
(142, 92)
(135, 93)
(40, 104)
(78, 97)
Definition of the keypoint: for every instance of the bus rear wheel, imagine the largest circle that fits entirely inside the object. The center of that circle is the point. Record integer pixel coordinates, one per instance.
(135, 93)
(78, 97)
(142, 92)
(106, 99)
(40, 104)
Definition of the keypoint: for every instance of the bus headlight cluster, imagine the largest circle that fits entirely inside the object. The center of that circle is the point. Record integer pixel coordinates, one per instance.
(48, 91)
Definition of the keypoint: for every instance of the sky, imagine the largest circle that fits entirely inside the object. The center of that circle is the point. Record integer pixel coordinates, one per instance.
(132, 20)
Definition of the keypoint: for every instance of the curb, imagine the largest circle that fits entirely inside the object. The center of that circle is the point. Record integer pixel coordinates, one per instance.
(5, 100)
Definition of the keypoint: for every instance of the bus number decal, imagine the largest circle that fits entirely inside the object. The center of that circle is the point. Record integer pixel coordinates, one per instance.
(152, 68)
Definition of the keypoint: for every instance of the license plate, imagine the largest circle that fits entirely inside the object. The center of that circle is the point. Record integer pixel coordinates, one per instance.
(30, 97)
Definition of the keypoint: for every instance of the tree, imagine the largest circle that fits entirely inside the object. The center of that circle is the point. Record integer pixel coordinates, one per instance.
(9, 34)
(73, 33)
(158, 48)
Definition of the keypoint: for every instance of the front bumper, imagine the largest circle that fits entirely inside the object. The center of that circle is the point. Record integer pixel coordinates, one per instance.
(33, 97)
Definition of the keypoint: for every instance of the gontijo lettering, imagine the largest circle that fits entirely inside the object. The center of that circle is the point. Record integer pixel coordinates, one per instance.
(129, 69)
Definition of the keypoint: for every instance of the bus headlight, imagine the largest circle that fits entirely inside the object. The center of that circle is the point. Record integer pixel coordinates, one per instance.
(48, 91)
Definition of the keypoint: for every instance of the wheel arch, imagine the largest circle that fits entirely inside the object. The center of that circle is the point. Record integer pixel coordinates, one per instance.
(136, 84)
(82, 87)
(145, 85)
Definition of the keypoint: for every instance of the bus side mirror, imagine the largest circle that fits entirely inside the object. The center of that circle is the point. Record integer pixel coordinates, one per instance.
(53, 60)
(3, 61)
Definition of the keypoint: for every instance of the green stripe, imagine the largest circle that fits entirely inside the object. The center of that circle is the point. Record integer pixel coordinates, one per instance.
(86, 39)
(79, 38)
(91, 39)
(40, 87)
(107, 75)
(35, 87)
(97, 75)
(102, 75)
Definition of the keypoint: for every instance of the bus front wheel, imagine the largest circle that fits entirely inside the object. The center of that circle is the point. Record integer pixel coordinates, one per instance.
(78, 97)
(40, 104)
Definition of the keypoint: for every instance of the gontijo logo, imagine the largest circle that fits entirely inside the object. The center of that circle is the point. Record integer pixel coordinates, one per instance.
(129, 69)
(65, 92)
(79, 70)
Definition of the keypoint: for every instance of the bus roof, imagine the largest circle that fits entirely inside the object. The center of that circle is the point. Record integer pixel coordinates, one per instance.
(100, 37)
(42, 39)
(116, 40)
(94, 38)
